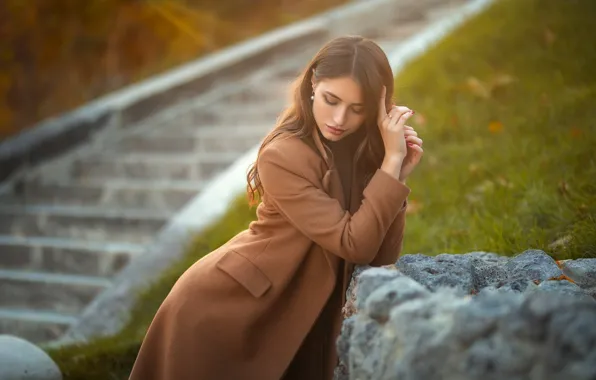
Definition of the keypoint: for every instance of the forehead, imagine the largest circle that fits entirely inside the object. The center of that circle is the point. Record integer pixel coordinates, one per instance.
(345, 88)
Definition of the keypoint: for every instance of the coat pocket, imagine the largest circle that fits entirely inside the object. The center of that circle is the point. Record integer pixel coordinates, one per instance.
(245, 272)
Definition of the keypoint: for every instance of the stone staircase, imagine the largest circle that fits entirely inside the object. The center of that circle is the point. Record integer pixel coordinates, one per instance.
(69, 225)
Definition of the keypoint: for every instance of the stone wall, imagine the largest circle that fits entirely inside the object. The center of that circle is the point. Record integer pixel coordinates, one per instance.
(471, 316)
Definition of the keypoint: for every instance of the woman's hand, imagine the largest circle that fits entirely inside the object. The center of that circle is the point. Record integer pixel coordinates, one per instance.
(414, 155)
(391, 126)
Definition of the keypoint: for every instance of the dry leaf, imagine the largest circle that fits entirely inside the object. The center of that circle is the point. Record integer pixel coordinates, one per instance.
(576, 132)
(504, 182)
(473, 168)
(499, 81)
(478, 88)
(495, 126)
(560, 243)
(549, 36)
(563, 187)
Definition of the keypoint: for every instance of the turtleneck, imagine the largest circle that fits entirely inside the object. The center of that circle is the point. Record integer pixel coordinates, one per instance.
(343, 157)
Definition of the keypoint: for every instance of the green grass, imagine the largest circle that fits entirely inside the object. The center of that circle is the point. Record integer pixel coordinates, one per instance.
(530, 184)
(530, 67)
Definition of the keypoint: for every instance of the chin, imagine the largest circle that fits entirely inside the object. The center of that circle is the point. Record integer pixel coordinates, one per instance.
(332, 137)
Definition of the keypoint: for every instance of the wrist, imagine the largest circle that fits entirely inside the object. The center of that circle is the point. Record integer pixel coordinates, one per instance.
(392, 164)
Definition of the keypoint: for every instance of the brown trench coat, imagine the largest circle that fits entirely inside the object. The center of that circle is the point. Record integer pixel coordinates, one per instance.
(244, 310)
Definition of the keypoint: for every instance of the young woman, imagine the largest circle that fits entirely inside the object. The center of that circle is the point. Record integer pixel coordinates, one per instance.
(331, 180)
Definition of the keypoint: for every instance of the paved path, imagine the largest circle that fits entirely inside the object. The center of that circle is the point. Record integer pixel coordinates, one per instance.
(73, 223)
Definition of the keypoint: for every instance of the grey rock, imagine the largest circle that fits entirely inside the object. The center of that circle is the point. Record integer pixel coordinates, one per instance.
(367, 351)
(564, 287)
(392, 294)
(370, 279)
(490, 257)
(444, 270)
(343, 347)
(487, 272)
(532, 265)
(582, 271)
(22, 360)
(422, 324)
(478, 319)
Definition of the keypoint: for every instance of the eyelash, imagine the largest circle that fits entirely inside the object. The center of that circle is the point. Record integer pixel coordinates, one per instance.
(334, 104)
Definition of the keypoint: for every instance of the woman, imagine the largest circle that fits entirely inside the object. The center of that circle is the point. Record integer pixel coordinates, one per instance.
(331, 178)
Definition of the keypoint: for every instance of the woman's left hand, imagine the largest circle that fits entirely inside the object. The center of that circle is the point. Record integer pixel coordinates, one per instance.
(414, 144)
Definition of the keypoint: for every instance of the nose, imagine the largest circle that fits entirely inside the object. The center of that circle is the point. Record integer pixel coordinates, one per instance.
(339, 116)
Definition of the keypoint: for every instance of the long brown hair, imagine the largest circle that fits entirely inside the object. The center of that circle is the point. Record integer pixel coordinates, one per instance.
(349, 56)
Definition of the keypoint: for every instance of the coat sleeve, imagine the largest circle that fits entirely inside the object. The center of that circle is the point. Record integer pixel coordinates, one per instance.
(393, 243)
(293, 188)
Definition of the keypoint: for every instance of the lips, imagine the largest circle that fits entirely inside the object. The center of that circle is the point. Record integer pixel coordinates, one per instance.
(335, 131)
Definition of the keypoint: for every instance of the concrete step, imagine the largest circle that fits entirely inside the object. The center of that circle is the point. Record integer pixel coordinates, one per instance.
(255, 131)
(166, 195)
(35, 326)
(196, 143)
(194, 167)
(274, 91)
(55, 255)
(88, 223)
(41, 291)
(221, 113)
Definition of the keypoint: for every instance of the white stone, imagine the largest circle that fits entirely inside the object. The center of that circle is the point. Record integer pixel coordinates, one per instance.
(22, 360)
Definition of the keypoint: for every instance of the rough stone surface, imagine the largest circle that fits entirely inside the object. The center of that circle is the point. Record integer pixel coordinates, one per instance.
(470, 316)
(22, 360)
(582, 271)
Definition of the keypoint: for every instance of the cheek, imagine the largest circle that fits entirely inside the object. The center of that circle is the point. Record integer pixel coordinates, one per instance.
(320, 110)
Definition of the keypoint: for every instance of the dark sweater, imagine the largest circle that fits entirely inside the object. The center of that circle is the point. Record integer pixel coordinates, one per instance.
(343, 157)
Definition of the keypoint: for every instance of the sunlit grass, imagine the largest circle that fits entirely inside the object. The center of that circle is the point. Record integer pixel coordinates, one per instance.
(506, 109)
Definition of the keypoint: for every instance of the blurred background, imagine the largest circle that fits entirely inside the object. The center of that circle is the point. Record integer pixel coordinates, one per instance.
(59, 54)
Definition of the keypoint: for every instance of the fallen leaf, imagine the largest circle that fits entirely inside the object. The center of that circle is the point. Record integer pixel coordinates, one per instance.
(563, 187)
(503, 182)
(473, 168)
(476, 87)
(560, 243)
(576, 132)
(501, 80)
(495, 126)
(549, 36)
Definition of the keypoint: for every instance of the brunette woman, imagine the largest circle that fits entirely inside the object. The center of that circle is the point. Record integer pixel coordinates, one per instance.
(331, 192)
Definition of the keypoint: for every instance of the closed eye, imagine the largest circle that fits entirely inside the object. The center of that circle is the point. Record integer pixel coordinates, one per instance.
(356, 111)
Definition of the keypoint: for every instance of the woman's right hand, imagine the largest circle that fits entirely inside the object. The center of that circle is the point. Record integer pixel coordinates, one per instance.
(391, 126)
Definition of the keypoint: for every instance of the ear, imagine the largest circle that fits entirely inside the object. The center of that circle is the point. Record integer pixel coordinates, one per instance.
(312, 79)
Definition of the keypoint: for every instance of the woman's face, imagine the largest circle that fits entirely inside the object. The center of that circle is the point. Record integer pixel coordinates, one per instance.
(338, 107)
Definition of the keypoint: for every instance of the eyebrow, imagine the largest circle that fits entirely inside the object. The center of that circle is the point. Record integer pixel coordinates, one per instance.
(338, 98)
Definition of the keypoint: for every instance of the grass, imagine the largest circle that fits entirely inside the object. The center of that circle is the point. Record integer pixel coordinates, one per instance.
(508, 127)
(504, 107)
